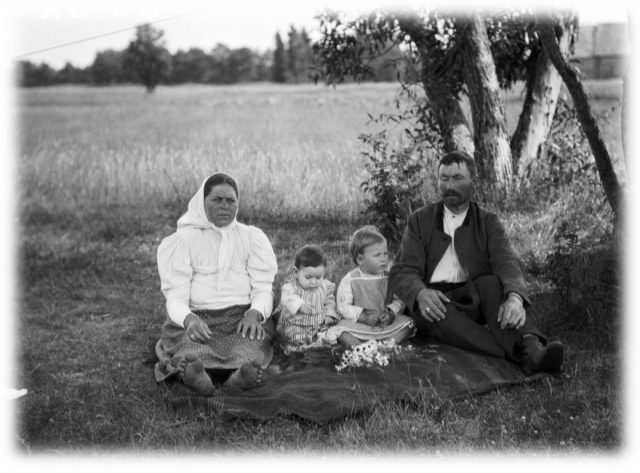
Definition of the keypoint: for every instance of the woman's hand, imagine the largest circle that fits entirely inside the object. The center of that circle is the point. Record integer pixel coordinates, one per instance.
(250, 325)
(196, 330)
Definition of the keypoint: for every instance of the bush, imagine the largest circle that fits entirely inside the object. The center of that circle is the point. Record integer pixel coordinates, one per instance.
(400, 163)
(586, 274)
(565, 163)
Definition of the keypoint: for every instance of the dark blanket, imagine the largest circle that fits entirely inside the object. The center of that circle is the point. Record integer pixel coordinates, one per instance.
(311, 388)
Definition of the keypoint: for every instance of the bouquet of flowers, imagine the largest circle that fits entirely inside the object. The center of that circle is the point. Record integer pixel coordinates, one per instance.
(370, 353)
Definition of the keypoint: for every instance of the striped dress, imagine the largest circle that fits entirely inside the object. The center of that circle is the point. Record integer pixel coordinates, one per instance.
(300, 329)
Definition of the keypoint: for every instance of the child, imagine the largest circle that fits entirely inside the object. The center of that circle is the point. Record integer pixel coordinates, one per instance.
(307, 304)
(368, 309)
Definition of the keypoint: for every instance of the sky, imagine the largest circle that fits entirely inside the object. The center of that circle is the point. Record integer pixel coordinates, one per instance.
(42, 31)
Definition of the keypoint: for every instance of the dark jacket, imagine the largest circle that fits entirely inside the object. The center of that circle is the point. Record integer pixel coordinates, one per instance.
(480, 242)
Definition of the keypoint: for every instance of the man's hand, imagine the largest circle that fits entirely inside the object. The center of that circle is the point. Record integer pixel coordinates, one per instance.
(250, 325)
(512, 313)
(432, 304)
(196, 330)
(369, 317)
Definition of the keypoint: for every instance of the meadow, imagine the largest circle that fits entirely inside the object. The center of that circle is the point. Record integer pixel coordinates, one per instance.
(103, 174)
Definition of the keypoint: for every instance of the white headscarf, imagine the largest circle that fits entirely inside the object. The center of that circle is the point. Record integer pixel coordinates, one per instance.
(196, 217)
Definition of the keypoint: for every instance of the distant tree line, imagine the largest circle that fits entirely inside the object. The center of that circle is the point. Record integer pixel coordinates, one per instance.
(291, 61)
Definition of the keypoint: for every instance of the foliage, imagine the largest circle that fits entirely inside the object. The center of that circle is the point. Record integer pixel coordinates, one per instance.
(147, 58)
(348, 46)
(400, 167)
(34, 75)
(584, 269)
(108, 68)
(299, 56)
(190, 66)
(279, 67)
(565, 160)
(431, 41)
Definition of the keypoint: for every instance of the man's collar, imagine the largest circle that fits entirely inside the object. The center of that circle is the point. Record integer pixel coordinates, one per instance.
(450, 213)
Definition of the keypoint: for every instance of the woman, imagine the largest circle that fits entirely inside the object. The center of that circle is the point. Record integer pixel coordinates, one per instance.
(217, 277)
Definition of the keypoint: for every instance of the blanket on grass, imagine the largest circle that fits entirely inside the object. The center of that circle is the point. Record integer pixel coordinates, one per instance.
(310, 386)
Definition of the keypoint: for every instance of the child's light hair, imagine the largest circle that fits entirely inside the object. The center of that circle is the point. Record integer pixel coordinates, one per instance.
(362, 238)
(309, 255)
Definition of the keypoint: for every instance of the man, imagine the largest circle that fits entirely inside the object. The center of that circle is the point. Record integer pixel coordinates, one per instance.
(461, 280)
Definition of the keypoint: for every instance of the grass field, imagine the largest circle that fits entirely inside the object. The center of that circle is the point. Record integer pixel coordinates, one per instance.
(105, 172)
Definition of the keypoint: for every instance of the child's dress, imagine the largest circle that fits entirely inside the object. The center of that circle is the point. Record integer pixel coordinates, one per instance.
(304, 329)
(358, 291)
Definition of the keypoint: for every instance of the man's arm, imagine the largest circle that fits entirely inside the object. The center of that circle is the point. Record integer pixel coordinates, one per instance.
(504, 261)
(406, 277)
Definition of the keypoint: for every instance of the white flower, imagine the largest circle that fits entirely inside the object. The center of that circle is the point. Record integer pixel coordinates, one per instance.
(370, 353)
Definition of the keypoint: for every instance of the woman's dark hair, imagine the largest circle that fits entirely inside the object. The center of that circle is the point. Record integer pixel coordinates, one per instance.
(220, 178)
(459, 157)
(309, 255)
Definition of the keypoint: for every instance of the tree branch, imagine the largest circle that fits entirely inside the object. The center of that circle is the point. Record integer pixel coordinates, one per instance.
(570, 76)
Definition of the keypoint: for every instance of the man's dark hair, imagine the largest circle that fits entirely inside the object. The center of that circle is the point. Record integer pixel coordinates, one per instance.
(309, 255)
(459, 157)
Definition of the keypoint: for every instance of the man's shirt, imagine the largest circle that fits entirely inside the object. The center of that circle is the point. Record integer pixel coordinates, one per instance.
(449, 268)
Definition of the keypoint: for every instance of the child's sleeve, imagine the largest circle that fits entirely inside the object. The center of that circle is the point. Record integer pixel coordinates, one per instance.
(396, 305)
(345, 300)
(290, 299)
(329, 305)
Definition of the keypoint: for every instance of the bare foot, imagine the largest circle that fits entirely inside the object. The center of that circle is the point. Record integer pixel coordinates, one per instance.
(347, 340)
(196, 377)
(248, 376)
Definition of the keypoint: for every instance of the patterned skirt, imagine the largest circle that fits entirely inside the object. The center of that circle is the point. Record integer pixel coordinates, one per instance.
(225, 350)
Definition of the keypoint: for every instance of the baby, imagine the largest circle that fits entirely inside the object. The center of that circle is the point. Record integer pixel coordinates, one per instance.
(367, 308)
(307, 304)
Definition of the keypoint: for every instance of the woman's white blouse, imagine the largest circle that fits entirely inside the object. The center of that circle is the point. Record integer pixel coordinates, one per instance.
(190, 280)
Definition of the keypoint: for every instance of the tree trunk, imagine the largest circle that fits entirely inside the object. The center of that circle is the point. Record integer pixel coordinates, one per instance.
(452, 122)
(542, 90)
(493, 154)
(585, 116)
(445, 104)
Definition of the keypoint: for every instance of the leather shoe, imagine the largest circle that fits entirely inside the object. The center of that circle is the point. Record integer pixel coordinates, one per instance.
(538, 357)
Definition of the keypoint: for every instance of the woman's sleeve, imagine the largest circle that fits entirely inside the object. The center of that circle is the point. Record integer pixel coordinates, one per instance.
(262, 267)
(345, 300)
(174, 267)
(290, 299)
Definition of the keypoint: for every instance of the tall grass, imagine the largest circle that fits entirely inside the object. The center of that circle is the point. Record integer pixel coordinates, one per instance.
(294, 151)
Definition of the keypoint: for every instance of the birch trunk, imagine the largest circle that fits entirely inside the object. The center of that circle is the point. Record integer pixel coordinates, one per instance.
(493, 153)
